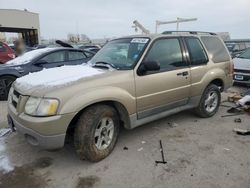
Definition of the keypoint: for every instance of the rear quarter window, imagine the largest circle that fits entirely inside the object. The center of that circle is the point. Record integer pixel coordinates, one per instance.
(216, 48)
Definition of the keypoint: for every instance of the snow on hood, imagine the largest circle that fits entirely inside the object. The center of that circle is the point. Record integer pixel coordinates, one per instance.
(54, 77)
(240, 63)
(28, 56)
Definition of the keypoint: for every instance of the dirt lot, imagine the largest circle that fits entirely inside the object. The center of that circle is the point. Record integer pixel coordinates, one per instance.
(199, 153)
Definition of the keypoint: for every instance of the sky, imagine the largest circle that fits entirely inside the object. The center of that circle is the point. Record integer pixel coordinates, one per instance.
(114, 18)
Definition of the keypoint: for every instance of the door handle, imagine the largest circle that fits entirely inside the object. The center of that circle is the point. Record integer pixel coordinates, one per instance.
(185, 73)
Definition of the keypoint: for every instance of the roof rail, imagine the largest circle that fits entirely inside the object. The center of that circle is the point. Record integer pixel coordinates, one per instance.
(190, 32)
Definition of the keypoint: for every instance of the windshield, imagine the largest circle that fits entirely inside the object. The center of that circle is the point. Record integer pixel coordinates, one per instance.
(246, 54)
(122, 54)
(28, 56)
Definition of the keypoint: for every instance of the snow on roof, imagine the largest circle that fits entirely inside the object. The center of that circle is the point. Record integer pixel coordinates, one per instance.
(58, 76)
(28, 56)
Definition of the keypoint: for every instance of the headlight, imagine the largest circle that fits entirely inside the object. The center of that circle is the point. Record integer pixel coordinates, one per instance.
(41, 106)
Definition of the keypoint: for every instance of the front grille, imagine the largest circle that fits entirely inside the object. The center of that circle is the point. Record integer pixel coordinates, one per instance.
(242, 71)
(15, 98)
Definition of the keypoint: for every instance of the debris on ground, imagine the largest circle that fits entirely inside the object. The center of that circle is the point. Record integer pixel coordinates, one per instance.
(233, 97)
(245, 101)
(125, 148)
(247, 92)
(162, 155)
(242, 102)
(4, 131)
(237, 120)
(143, 142)
(172, 124)
(140, 149)
(236, 114)
(234, 110)
(243, 132)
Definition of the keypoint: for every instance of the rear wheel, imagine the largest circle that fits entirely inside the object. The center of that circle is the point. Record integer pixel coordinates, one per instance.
(96, 132)
(210, 102)
(5, 85)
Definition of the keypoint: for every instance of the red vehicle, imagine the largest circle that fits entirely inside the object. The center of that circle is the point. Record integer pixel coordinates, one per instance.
(6, 53)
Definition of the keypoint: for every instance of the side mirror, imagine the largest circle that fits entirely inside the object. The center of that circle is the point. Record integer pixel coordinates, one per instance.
(40, 62)
(148, 66)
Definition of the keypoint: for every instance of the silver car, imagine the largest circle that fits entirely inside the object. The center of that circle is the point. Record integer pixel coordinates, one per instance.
(242, 68)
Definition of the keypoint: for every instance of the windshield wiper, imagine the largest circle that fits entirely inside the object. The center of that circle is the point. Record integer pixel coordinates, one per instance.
(103, 63)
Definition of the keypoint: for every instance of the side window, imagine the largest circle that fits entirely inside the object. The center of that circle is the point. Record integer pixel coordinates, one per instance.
(167, 52)
(2, 48)
(74, 55)
(88, 54)
(55, 57)
(197, 53)
(216, 48)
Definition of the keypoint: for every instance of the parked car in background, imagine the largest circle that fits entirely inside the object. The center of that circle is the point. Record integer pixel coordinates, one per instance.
(242, 68)
(92, 48)
(37, 60)
(6, 53)
(131, 81)
(237, 46)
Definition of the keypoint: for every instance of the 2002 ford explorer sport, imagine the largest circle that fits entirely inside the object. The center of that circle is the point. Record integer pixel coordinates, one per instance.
(129, 82)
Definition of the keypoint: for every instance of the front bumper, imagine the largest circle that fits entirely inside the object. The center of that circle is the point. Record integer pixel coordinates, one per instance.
(245, 78)
(36, 139)
(45, 132)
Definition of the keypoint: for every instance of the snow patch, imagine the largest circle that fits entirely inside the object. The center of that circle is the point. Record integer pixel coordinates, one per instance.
(58, 76)
(5, 164)
(28, 56)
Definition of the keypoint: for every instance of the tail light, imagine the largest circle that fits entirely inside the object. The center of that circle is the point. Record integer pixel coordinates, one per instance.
(12, 56)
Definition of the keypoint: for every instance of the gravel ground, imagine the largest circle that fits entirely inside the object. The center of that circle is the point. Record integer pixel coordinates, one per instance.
(199, 153)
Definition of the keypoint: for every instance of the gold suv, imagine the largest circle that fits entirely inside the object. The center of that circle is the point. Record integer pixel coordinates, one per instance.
(131, 81)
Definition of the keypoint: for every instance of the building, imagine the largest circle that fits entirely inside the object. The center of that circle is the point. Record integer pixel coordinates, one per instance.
(21, 21)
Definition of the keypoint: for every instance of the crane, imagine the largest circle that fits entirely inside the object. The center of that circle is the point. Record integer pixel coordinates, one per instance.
(138, 25)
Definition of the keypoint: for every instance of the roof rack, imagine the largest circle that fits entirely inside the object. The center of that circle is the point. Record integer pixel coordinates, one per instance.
(189, 32)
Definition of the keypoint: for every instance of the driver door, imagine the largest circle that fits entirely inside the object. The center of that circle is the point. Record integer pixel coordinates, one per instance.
(167, 88)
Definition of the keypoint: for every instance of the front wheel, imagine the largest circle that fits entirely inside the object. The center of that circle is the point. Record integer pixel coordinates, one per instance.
(96, 132)
(5, 85)
(210, 102)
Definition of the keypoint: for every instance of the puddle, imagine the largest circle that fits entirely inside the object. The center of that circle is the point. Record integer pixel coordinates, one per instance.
(26, 175)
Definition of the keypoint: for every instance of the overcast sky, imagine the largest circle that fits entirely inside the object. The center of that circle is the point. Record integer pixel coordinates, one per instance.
(108, 18)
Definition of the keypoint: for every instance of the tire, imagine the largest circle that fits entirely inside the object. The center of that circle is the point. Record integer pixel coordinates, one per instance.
(208, 107)
(91, 128)
(5, 85)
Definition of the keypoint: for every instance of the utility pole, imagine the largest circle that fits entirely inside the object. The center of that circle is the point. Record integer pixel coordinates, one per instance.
(177, 21)
(141, 27)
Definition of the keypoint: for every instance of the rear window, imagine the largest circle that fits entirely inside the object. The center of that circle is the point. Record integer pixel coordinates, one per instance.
(215, 48)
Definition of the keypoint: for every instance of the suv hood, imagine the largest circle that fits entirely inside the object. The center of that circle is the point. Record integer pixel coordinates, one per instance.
(55, 78)
(240, 63)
